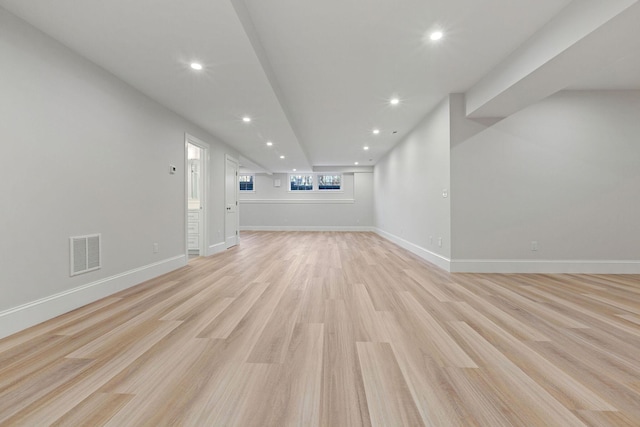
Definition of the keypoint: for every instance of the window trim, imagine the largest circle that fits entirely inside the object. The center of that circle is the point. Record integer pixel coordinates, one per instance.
(316, 182)
(253, 175)
(330, 190)
(313, 182)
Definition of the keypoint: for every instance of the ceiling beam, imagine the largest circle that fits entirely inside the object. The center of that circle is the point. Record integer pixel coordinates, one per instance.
(571, 44)
(247, 23)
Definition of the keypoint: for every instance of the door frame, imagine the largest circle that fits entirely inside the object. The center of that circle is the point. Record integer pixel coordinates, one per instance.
(228, 158)
(204, 242)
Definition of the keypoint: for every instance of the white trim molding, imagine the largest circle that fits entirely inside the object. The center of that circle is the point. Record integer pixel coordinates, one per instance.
(524, 266)
(26, 315)
(306, 228)
(217, 248)
(432, 257)
(544, 266)
(298, 201)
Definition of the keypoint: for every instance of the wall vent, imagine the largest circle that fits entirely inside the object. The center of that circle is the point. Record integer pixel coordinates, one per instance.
(85, 253)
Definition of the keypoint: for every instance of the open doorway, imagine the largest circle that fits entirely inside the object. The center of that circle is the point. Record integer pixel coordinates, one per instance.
(197, 154)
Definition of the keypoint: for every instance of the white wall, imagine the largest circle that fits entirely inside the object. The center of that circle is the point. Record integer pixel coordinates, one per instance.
(84, 153)
(408, 185)
(564, 172)
(275, 208)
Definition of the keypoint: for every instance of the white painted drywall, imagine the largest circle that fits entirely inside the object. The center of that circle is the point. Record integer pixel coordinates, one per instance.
(275, 208)
(409, 183)
(82, 152)
(564, 172)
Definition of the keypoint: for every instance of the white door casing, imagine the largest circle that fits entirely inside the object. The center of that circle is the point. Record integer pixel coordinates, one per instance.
(231, 218)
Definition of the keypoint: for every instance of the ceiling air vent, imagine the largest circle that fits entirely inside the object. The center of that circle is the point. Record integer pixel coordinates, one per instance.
(85, 253)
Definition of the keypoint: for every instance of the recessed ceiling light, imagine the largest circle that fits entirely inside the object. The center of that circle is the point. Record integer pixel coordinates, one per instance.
(365, 148)
(294, 169)
(394, 101)
(282, 157)
(196, 66)
(246, 119)
(436, 35)
(269, 143)
(356, 163)
(376, 131)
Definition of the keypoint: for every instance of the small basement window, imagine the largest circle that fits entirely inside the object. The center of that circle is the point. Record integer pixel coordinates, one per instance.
(329, 182)
(247, 182)
(300, 182)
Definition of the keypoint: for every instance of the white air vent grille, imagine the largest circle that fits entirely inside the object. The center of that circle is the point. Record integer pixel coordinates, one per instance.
(85, 253)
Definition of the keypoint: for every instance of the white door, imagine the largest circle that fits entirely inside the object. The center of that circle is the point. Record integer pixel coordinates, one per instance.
(232, 235)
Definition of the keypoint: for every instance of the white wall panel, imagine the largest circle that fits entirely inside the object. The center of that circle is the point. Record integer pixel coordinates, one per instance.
(564, 172)
(84, 153)
(409, 184)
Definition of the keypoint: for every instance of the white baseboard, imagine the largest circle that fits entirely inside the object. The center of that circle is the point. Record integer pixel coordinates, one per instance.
(24, 316)
(297, 201)
(544, 266)
(305, 228)
(423, 253)
(215, 249)
(506, 266)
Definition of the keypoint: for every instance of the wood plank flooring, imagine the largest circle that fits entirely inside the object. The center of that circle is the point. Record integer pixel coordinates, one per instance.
(333, 329)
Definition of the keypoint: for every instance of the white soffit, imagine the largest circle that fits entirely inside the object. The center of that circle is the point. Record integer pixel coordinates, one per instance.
(585, 36)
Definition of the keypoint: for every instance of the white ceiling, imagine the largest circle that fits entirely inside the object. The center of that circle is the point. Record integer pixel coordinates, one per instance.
(316, 77)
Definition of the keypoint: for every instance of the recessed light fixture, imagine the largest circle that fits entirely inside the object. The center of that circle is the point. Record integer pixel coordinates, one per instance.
(269, 143)
(282, 157)
(376, 131)
(365, 148)
(394, 101)
(246, 119)
(356, 163)
(436, 35)
(294, 169)
(196, 66)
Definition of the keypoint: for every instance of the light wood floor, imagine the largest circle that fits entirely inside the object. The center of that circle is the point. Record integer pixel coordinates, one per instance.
(333, 329)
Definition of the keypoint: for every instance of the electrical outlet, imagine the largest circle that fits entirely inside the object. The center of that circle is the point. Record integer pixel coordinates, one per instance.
(440, 241)
(156, 248)
(534, 245)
